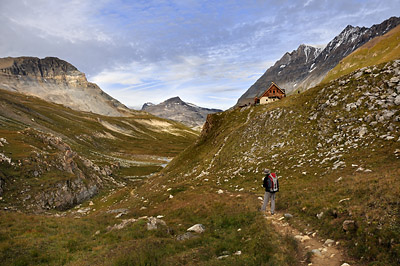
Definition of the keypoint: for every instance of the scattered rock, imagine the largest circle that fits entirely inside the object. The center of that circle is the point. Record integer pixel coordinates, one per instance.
(222, 257)
(124, 211)
(153, 223)
(338, 164)
(220, 191)
(329, 242)
(349, 225)
(319, 215)
(198, 228)
(288, 216)
(358, 74)
(351, 106)
(123, 224)
(302, 238)
(317, 253)
(186, 236)
(346, 199)
(84, 210)
(119, 215)
(359, 169)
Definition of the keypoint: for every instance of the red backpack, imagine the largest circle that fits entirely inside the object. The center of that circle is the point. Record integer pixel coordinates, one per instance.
(274, 183)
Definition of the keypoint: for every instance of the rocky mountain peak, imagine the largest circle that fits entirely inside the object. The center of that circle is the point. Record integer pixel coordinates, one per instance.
(174, 100)
(305, 67)
(48, 67)
(57, 81)
(147, 105)
(178, 110)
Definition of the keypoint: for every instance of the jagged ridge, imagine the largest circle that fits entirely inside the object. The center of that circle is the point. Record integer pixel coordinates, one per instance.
(301, 72)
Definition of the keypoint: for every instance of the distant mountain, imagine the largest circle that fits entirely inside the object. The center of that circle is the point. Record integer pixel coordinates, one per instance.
(57, 81)
(178, 110)
(307, 66)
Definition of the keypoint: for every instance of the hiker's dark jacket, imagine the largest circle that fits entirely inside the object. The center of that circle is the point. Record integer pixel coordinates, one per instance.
(267, 183)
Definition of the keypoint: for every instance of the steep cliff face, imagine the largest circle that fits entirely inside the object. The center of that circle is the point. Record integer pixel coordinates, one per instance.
(178, 110)
(57, 81)
(307, 66)
(287, 72)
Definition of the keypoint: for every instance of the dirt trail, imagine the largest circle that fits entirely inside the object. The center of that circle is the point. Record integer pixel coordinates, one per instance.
(328, 254)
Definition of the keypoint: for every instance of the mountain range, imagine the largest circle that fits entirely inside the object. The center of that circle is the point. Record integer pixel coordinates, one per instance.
(305, 67)
(178, 110)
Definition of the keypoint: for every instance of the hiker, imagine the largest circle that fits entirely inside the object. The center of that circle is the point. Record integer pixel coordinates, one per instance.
(271, 185)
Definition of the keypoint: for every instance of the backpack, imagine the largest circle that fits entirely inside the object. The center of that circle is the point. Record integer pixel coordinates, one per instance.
(274, 183)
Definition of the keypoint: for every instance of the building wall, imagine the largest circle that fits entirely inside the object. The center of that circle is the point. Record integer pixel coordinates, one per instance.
(265, 100)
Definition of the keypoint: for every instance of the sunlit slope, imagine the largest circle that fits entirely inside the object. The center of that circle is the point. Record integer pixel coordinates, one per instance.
(335, 147)
(112, 227)
(48, 149)
(379, 50)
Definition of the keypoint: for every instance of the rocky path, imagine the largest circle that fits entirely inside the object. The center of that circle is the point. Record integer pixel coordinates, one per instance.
(315, 250)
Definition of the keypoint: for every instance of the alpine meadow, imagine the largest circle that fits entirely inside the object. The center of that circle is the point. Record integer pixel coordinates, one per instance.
(128, 171)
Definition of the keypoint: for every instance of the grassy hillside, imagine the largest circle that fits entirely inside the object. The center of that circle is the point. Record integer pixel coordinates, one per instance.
(47, 145)
(111, 227)
(336, 149)
(379, 50)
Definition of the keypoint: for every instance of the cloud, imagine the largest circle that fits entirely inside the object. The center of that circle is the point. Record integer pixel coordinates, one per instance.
(72, 20)
(195, 78)
(141, 51)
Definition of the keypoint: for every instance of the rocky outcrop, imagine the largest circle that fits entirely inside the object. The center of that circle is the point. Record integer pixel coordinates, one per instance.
(76, 179)
(307, 66)
(178, 110)
(57, 81)
(65, 195)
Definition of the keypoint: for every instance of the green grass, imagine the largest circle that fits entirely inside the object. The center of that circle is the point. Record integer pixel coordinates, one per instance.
(231, 157)
(30, 126)
(41, 240)
(240, 151)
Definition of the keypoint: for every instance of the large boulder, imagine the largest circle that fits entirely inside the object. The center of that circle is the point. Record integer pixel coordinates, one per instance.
(198, 228)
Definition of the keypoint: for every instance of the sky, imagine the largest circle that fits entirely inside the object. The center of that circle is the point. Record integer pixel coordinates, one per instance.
(206, 52)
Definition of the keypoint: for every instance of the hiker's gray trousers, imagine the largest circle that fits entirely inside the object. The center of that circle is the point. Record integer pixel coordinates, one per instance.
(268, 195)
